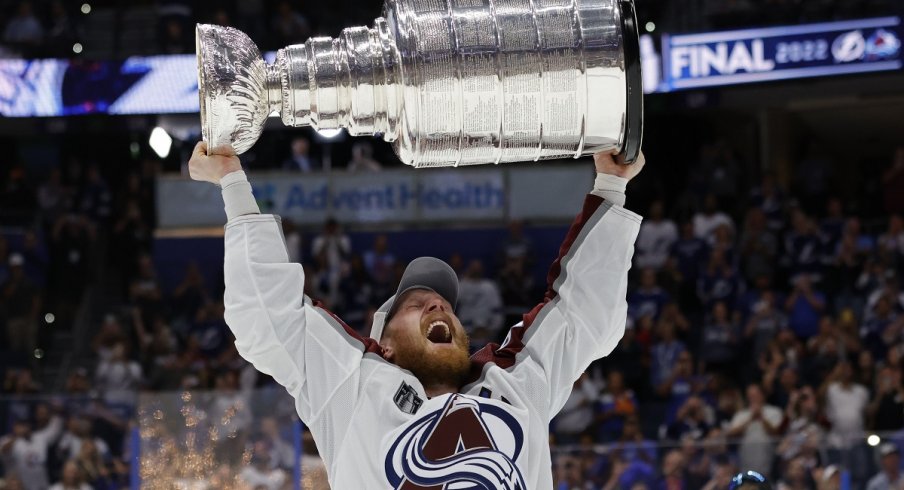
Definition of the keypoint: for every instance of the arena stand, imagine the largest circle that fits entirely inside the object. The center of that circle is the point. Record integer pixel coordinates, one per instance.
(763, 307)
(753, 295)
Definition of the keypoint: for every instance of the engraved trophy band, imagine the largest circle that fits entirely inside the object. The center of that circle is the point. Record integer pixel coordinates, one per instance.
(448, 82)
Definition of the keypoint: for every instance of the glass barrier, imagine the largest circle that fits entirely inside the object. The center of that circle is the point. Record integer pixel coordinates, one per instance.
(227, 439)
(252, 439)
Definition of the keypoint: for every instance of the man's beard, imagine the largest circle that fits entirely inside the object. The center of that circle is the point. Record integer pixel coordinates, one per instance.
(434, 366)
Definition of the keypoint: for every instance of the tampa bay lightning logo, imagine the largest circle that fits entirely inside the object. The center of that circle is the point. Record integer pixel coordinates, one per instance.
(849, 47)
(467, 445)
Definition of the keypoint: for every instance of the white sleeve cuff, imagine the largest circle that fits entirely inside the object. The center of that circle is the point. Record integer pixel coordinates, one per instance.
(610, 187)
(237, 197)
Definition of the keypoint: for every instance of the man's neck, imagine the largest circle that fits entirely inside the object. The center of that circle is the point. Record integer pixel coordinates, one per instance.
(436, 390)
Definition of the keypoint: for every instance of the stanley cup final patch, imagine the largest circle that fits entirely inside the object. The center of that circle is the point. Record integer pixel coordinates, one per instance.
(407, 400)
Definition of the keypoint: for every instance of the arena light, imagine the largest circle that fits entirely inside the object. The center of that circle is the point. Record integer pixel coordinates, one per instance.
(873, 440)
(49, 318)
(161, 142)
(650, 27)
(329, 133)
(39, 353)
(77, 48)
(86, 8)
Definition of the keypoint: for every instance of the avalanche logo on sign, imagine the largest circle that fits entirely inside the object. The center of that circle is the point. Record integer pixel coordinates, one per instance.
(467, 445)
(882, 45)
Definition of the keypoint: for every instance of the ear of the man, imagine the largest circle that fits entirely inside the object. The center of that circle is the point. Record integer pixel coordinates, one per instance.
(388, 352)
(385, 341)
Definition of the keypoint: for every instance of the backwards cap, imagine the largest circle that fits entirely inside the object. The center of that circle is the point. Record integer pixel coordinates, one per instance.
(422, 273)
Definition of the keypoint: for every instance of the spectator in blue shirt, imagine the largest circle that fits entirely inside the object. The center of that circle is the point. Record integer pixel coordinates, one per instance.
(875, 331)
(803, 247)
(690, 252)
(880, 318)
(649, 298)
(865, 243)
(718, 349)
(769, 198)
(751, 298)
(758, 246)
(724, 241)
(832, 226)
(681, 383)
(664, 354)
(693, 420)
(211, 332)
(804, 307)
(632, 446)
(634, 475)
(890, 290)
(720, 282)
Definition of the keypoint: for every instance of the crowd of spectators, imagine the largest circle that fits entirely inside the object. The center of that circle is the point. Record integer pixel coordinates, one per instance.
(50, 28)
(54, 231)
(38, 29)
(762, 334)
(79, 228)
(769, 339)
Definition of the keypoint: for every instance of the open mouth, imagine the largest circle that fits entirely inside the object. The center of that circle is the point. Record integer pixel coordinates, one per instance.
(439, 332)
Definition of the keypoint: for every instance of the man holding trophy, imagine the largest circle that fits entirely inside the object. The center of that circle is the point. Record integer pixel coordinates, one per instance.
(407, 408)
(450, 82)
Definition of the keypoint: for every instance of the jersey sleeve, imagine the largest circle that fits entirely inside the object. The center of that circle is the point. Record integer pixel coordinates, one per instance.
(280, 330)
(584, 310)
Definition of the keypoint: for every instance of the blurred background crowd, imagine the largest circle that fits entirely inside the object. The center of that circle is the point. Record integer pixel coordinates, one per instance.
(111, 29)
(764, 333)
(766, 314)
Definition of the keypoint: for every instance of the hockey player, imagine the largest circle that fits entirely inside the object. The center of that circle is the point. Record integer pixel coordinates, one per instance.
(408, 408)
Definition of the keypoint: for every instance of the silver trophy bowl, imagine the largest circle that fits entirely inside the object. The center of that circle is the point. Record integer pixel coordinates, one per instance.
(232, 87)
(448, 82)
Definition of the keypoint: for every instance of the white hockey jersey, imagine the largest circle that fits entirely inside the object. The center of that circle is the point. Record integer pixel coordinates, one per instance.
(372, 421)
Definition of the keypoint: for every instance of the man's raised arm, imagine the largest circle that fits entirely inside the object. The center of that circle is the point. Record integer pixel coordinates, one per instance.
(277, 328)
(583, 314)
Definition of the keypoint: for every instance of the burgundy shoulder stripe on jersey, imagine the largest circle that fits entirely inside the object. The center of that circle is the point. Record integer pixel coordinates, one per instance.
(504, 356)
(368, 344)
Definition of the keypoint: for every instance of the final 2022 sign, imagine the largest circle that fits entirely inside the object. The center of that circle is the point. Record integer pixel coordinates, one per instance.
(779, 53)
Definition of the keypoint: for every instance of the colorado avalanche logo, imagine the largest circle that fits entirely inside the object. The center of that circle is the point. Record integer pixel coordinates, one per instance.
(882, 45)
(468, 445)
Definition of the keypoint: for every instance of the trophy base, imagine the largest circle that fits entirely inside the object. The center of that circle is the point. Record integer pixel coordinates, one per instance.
(634, 81)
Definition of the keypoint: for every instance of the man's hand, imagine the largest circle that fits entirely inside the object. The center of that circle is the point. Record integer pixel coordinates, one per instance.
(605, 164)
(211, 167)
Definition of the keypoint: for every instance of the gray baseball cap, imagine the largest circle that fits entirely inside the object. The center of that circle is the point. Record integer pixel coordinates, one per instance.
(422, 273)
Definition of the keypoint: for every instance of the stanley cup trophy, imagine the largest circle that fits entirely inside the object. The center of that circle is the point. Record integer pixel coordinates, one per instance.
(448, 82)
